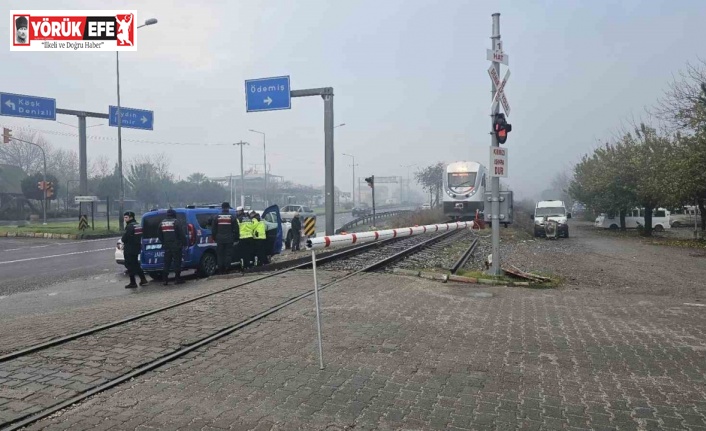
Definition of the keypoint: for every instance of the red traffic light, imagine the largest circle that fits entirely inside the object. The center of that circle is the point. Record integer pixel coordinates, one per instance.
(6, 135)
(501, 128)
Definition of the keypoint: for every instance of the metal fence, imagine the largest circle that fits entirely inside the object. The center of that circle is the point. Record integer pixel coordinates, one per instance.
(368, 218)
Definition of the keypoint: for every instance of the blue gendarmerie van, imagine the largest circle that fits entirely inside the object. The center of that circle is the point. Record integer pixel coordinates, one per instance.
(200, 251)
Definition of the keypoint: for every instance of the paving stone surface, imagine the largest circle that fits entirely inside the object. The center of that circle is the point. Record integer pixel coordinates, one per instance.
(408, 353)
(45, 378)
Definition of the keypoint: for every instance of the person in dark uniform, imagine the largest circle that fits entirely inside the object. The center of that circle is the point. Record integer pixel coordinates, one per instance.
(172, 237)
(225, 232)
(296, 232)
(132, 245)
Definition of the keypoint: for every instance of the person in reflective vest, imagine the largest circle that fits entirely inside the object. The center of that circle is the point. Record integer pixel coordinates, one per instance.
(132, 245)
(172, 236)
(260, 240)
(245, 246)
(225, 232)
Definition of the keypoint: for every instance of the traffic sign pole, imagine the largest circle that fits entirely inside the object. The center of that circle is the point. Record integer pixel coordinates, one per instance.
(268, 94)
(495, 181)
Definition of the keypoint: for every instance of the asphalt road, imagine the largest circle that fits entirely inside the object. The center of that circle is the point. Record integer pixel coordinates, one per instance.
(28, 264)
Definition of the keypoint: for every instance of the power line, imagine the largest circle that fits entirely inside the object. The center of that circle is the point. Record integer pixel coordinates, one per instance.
(109, 138)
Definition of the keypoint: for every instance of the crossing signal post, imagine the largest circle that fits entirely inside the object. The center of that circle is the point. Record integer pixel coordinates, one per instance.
(371, 183)
(501, 127)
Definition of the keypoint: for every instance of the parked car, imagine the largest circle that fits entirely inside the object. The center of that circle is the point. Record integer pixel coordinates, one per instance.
(200, 251)
(425, 207)
(361, 211)
(287, 213)
(119, 255)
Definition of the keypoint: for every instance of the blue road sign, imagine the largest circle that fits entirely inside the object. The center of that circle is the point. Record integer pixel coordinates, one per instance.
(21, 105)
(267, 94)
(132, 118)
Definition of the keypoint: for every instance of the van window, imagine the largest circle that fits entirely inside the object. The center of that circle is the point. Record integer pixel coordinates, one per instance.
(270, 217)
(204, 220)
(150, 224)
(307, 210)
(659, 213)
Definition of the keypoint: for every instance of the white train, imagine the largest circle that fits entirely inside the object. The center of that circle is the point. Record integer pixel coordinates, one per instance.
(464, 187)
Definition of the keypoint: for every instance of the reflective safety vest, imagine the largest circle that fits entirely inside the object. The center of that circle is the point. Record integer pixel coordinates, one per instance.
(246, 229)
(259, 229)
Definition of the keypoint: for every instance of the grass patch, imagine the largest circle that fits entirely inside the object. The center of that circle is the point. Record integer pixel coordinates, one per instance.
(101, 228)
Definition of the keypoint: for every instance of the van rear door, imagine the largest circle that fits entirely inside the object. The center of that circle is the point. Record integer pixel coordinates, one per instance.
(274, 236)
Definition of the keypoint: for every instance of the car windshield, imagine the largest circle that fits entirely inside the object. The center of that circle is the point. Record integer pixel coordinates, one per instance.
(550, 211)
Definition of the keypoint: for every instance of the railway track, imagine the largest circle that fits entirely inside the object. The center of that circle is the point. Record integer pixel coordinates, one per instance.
(94, 352)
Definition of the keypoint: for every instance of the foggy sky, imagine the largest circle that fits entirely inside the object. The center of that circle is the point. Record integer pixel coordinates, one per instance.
(410, 80)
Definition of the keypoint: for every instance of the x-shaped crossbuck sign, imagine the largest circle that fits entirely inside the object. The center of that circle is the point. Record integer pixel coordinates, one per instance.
(500, 90)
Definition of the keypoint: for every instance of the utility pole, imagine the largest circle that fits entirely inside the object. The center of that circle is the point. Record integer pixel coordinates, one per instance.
(264, 150)
(242, 174)
(495, 181)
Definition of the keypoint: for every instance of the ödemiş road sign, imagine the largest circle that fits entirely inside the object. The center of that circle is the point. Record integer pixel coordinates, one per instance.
(267, 94)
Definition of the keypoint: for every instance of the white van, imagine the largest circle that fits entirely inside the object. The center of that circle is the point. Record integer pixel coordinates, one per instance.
(635, 218)
(551, 210)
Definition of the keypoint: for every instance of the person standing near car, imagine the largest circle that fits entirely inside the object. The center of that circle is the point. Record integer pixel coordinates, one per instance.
(245, 246)
(259, 239)
(132, 245)
(225, 232)
(296, 232)
(171, 235)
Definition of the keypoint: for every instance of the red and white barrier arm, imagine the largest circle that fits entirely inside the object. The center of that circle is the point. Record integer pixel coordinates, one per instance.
(380, 235)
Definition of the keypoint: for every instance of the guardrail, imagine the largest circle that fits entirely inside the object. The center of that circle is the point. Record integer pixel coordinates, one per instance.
(369, 218)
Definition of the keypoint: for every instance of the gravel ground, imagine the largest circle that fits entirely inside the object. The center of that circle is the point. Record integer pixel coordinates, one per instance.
(597, 259)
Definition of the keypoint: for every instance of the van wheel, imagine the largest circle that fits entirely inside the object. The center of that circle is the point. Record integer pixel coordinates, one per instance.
(207, 266)
(614, 227)
(155, 275)
(659, 228)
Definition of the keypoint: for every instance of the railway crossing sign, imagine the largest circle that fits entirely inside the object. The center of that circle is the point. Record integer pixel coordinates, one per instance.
(500, 90)
(498, 162)
(497, 56)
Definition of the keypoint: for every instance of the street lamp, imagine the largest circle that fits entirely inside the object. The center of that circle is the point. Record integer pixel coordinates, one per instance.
(264, 150)
(150, 21)
(353, 183)
(242, 174)
(342, 124)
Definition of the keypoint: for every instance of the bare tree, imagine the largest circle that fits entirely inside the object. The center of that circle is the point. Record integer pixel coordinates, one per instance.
(100, 167)
(26, 156)
(683, 105)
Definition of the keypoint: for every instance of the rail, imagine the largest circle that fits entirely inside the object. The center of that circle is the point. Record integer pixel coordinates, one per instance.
(368, 218)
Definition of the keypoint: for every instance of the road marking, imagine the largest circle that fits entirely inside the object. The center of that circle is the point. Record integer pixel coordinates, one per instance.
(55, 255)
(691, 304)
(57, 243)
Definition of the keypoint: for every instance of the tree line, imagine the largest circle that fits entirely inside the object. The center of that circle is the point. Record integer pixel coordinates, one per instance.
(652, 164)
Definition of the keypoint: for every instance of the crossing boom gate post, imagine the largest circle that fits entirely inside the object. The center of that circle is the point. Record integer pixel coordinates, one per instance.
(310, 226)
